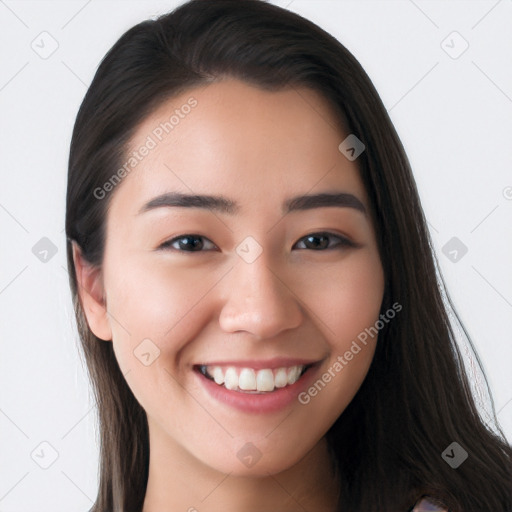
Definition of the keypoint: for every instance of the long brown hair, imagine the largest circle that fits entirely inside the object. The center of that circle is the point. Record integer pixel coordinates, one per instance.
(416, 399)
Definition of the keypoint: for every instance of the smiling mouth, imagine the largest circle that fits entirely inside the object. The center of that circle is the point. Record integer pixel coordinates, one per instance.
(249, 380)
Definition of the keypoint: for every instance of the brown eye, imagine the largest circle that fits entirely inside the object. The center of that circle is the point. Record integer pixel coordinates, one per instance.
(187, 243)
(321, 241)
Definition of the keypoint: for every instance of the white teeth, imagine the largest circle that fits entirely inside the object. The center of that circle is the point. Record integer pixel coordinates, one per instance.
(281, 378)
(293, 374)
(231, 379)
(265, 380)
(218, 375)
(248, 379)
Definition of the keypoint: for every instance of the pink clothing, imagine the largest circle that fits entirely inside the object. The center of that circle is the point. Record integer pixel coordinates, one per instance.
(425, 505)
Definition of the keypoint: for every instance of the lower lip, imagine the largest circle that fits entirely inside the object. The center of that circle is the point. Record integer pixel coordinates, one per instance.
(258, 403)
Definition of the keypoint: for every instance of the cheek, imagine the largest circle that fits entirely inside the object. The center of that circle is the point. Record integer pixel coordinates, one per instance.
(155, 310)
(346, 297)
(348, 303)
(153, 299)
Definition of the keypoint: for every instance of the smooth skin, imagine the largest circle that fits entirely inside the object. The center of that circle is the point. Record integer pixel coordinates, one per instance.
(200, 303)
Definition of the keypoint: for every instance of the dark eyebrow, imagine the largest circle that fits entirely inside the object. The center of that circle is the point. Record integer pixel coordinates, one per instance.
(224, 205)
(216, 203)
(307, 202)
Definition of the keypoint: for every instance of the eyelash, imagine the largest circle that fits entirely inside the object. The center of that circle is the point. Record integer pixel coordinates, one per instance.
(343, 242)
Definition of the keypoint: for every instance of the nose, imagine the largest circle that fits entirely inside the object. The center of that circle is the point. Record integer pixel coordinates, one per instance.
(259, 301)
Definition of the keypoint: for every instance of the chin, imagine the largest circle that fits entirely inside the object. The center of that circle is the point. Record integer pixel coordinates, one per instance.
(257, 459)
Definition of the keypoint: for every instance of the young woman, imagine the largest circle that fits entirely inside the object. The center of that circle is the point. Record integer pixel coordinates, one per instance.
(254, 285)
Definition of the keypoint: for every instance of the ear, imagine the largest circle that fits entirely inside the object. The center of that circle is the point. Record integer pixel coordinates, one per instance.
(92, 296)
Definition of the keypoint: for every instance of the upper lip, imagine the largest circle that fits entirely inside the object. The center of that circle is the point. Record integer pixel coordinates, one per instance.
(259, 364)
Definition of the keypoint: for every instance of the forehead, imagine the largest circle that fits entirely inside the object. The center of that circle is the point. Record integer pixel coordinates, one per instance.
(239, 140)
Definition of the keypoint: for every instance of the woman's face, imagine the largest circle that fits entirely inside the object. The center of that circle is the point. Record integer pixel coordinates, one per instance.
(239, 277)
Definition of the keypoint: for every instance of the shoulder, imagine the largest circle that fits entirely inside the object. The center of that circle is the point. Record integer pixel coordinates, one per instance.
(426, 504)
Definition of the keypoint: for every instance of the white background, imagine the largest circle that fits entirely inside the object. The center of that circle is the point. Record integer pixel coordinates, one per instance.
(454, 116)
